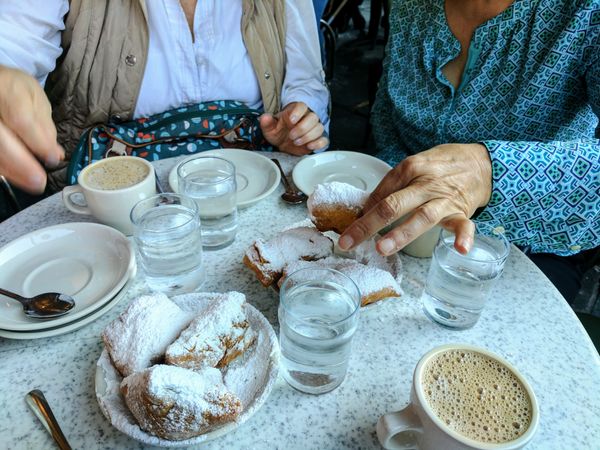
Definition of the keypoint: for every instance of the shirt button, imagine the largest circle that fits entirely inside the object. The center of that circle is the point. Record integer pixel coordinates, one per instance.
(267, 75)
(130, 60)
(115, 118)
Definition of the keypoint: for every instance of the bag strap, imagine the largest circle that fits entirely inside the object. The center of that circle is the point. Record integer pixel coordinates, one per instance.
(230, 138)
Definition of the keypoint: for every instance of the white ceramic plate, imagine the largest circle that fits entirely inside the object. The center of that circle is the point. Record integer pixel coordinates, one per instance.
(358, 169)
(256, 175)
(88, 261)
(264, 356)
(71, 326)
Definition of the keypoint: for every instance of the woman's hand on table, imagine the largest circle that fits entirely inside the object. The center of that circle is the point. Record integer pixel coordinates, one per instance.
(295, 130)
(443, 185)
(27, 133)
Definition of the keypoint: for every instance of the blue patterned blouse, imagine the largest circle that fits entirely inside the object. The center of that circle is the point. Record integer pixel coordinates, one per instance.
(530, 92)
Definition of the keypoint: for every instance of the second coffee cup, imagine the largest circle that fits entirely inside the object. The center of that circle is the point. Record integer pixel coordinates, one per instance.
(463, 397)
(111, 188)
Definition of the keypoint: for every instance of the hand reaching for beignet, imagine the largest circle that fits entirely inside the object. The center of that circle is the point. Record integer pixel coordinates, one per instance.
(444, 185)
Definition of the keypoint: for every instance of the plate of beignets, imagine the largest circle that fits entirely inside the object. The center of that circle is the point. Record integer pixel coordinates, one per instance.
(205, 371)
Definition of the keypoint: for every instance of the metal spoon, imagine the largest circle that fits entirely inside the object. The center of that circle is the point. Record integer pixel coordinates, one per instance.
(43, 306)
(40, 407)
(292, 194)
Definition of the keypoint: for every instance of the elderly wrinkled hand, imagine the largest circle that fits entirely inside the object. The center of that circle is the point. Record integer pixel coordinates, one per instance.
(295, 130)
(444, 185)
(27, 133)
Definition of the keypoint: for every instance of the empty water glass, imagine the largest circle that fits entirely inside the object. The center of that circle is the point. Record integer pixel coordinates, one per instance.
(168, 240)
(210, 181)
(318, 315)
(458, 285)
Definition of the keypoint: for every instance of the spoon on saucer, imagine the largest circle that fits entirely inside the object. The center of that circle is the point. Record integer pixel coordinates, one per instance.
(43, 306)
(291, 194)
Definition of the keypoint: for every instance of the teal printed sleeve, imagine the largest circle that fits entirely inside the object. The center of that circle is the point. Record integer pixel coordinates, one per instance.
(546, 194)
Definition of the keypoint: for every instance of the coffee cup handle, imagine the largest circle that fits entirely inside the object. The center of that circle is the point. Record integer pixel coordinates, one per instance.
(399, 430)
(67, 192)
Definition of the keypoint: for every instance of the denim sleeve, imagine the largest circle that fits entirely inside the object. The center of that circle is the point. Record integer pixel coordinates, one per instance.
(546, 195)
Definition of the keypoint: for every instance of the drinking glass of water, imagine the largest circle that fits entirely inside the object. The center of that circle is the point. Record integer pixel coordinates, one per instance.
(458, 285)
(318, 315)
(168, 240)
(210, 181)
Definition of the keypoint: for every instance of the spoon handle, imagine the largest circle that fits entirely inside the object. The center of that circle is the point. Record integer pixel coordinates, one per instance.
(284, 178)
(12, 295)
(37, 402)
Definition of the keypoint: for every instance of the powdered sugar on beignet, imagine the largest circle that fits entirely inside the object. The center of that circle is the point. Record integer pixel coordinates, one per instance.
(373, 283)
(268, 258)
(175, 403)
(216, 337)
(139, 337)
(334, 206)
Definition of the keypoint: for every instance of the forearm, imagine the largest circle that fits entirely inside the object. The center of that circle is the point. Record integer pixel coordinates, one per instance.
(546, 195)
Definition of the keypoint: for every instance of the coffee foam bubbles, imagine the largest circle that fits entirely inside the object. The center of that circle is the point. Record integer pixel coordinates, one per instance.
(116, 174)
(477, 396)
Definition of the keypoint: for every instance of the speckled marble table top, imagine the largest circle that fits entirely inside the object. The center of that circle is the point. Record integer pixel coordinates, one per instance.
(526, 321)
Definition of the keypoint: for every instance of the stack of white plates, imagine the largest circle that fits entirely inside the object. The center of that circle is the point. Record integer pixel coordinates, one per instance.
(92, 263)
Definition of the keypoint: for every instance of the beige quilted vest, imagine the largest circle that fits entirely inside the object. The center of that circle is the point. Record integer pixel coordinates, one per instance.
(105, 45)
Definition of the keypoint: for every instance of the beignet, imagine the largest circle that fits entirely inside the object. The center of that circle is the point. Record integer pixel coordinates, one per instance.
(268, 258)
(373, 283)
(334, 206)
(140, 335)
(214, 338)
(175, 403)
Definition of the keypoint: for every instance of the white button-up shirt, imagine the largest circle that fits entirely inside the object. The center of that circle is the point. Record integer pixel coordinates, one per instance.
(213, 64)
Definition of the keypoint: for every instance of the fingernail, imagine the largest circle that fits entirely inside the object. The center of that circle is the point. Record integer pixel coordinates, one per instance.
(345, 242)
(387, 246)
(294, 118)
(463, 246)
(298, 142)
(293, 136)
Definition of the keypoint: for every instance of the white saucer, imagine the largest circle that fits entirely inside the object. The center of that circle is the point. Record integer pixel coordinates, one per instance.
(358, 169)
(71, 326)
(263, 358)
(256, 175)
(89, 261)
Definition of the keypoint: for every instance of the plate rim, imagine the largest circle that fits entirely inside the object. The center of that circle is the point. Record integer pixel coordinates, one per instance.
(306, 159)
(66, 319)
(218, 152)
(267, 387)
(70, 326)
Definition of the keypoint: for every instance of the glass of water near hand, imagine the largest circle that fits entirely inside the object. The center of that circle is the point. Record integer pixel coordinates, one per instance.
(168, 240)
(318, 316)
(211, 182)
(458, 285)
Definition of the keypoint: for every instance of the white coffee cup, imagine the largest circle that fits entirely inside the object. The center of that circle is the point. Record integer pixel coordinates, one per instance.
(111, 187)
(418, 426)
(423, 245)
